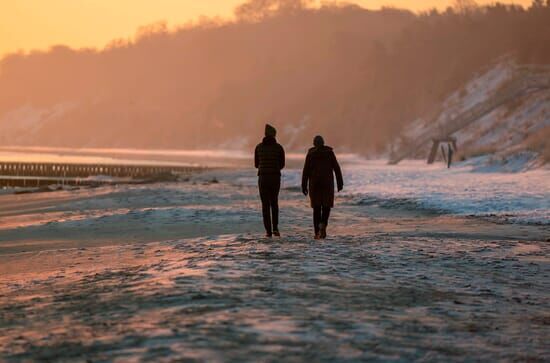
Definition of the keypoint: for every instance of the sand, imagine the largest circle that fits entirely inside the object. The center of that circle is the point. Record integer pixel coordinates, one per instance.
(180, 272)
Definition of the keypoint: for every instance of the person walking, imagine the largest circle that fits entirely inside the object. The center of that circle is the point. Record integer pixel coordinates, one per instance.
(269, 159)
(318, 181)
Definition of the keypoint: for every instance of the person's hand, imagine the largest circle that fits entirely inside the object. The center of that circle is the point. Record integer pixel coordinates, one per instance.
(304, 190)
(340, 188)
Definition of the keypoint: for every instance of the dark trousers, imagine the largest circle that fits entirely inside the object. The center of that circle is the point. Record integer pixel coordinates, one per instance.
(320, 215)
(269, 194)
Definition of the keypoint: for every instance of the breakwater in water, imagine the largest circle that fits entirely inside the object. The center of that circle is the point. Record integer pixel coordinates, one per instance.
(29, 174)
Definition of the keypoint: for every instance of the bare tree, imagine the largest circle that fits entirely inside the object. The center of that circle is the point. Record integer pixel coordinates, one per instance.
(465, 6)
(256, 10)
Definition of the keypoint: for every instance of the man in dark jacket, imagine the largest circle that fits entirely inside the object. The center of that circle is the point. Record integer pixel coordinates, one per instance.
(269, 159)
(319, 170)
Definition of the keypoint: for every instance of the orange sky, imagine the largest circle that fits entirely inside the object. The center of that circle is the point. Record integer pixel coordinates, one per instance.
(39, 24)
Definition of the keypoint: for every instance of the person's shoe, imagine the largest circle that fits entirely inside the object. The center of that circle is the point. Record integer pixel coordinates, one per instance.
(276, 234)
(322, 231)
(317, 236)
(268, 235)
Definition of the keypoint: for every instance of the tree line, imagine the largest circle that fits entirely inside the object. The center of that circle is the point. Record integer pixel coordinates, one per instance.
(357, 76)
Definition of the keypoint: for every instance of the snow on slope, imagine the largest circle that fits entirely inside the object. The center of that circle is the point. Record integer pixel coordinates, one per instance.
(19, 123)
(499, 135)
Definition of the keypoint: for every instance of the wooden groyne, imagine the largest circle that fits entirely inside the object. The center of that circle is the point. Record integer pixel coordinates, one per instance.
(29, 174)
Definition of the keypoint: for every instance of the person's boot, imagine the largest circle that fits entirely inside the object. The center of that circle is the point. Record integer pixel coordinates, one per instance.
(276, 233)
(322, 231)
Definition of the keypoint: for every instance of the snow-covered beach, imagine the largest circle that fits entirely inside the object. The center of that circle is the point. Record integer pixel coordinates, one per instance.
(275, 181)
(422, 263)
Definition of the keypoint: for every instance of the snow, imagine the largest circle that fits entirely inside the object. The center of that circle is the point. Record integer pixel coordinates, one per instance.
(176, 271)
(240, 298)
(470, 189)
(505, 128)
(500, 132)
(28, 119)
(477, 187)
(516, 197)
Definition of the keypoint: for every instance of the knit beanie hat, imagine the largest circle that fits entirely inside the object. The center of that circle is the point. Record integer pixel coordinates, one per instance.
(270, 130)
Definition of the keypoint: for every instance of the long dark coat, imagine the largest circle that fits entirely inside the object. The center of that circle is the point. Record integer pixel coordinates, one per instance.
(319, 170)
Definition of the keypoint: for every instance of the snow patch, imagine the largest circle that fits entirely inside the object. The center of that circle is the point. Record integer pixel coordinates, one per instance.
(500, 133)
(29, 119)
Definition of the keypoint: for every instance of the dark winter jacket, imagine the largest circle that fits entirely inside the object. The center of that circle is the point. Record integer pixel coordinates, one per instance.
(269, 157)
(319, 170)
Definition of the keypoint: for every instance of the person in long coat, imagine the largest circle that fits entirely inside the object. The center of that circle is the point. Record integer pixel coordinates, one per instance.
(318, 181)
(269, 159)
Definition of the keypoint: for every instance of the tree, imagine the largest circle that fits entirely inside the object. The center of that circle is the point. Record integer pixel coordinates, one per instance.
(256, 10)
(465, 6)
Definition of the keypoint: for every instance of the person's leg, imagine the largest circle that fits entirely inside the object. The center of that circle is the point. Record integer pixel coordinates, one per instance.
(325, 213)
(274, 202)
(316, 219)
(266, 217)
(264, 196)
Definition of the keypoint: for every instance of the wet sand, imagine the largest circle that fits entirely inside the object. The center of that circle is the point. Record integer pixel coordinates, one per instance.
(168, 272)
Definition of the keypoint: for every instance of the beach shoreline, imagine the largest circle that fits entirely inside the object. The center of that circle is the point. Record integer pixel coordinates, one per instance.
(81, 217)
(181, 271)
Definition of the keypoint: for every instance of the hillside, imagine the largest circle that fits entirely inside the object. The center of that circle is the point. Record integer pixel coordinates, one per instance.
(356, 76)
(513, 135)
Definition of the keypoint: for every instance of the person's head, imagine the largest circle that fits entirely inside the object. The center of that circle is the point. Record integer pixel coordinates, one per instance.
(270, 131)
(318, 141)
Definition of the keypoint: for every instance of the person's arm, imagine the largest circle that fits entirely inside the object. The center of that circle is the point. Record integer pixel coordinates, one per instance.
(305, 175)
(337, 172)
(256, 158)
(282, 158)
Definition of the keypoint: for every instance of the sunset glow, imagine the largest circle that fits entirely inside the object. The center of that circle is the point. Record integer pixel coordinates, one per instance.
(274, 180)
(35, 24)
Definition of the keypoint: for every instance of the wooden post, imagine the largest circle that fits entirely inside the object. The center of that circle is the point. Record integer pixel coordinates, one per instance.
(443, 153)
(450, 156)
(433, 152)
